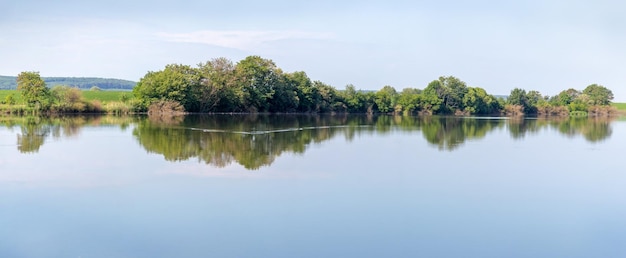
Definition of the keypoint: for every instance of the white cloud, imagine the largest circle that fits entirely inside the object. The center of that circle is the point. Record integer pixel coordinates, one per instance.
(239, 39)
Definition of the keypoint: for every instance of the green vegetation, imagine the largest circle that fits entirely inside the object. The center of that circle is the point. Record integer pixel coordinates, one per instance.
(255, 85)
(619, 106)
(106, 96)
(64, 99)
(9, 83)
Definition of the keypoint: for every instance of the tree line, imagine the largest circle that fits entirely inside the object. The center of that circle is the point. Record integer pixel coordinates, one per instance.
(9, 83)
(255, 84)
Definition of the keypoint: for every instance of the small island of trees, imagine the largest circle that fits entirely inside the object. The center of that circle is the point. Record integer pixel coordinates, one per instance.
(255, 84)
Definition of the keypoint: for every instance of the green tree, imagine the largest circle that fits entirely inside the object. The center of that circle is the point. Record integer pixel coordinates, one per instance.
(285, 95)
(456, 90)
(218, 90)
(385, 99)
(409, 100)
(477, 101)
(68, 98)
(354, 99)
(434, 94)
(308, 96)
(257, 77)
(598, 95)
(328, 98)
(34, 90)
(520, 97)
(175, 83)
(564, 98)
(449, 90)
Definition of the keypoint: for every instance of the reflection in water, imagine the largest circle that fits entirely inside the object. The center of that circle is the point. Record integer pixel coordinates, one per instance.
(595, 129)
(35, 130)
(256, 140)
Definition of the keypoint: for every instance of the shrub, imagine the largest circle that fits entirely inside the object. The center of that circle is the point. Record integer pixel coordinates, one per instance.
(514, 110)
(166, 107)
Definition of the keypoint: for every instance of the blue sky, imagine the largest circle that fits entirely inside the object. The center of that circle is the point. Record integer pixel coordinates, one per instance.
(545, 45)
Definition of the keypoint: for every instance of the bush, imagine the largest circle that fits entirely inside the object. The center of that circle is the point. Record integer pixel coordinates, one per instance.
(514, 110)
(602, 111)
(163, 107)
(118, 108)
(552, 111)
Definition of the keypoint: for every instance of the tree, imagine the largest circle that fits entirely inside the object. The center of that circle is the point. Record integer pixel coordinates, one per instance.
(449, 90)
(257, 78)
(598, 95)
(409, 100)
(456, 90)
(175, 83)
(477, 101)
(327, 98)
(434, 94)
(218, 89)
(566, 97)
(33, 90)
(385, 99)
(308, 96)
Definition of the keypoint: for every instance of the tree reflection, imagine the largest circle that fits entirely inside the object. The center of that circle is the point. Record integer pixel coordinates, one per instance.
(33, 135)
(254, 141)
(449, 133)
(593, 129)
(34, 130)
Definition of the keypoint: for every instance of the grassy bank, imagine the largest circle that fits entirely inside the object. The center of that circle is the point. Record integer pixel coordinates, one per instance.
(116, 102)
(106, 96)
(102, 96)
(620, 106)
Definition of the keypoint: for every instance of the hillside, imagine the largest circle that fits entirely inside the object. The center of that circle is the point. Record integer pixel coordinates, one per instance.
(9, 83)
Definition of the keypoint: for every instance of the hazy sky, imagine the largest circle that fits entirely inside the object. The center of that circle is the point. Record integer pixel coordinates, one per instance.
(545, 45)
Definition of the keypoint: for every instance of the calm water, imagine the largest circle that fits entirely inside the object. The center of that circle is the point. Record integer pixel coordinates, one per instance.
(311, 186)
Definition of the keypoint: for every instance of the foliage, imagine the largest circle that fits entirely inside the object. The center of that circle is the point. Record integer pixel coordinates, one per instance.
(9, 99)
(68, 99)
(386, 99)
(166, 107)
(34, 90)
(598, 95)
(255, 84)
(9, 82)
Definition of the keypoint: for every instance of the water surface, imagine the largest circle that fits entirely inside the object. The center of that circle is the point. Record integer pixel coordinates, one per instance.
(311, 186)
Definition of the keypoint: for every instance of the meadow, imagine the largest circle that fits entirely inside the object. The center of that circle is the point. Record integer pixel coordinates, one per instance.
(620, 106)
(106, 96)
(102, 96)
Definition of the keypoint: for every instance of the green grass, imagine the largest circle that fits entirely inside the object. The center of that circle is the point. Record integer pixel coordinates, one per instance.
(106, 96)
(5, 93)
(102, 96)
(619, 106)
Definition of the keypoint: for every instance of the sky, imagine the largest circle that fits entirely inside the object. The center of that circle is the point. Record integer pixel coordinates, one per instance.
(544, 45)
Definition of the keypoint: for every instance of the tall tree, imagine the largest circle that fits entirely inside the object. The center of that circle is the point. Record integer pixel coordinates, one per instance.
(175, 83)
(386, 99)
(409, 99)
(257, 77)
(218, 90)
(34, 90)
(598, 95)
(308, 96)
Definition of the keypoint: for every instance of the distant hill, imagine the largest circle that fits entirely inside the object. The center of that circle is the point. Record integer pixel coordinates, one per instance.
(9, 83)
